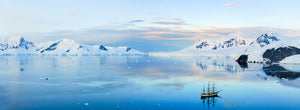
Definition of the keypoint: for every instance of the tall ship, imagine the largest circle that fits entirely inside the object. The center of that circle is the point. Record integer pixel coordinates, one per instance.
(210, 91)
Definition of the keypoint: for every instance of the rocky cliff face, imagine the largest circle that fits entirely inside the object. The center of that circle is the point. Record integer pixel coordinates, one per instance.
(264, 40)
(202, 45)
(276, 55)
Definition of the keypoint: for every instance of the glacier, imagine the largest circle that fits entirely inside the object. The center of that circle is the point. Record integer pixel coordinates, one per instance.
(17, 46)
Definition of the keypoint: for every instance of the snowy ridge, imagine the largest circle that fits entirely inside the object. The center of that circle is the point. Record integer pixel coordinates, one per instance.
(233, 45)
(234, 40)
(260, 48)
(256, 54)
(62, 47)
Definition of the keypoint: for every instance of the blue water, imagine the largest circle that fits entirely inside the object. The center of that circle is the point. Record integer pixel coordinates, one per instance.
(142, 83)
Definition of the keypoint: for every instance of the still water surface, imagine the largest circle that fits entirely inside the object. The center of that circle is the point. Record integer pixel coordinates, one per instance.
(142, 82)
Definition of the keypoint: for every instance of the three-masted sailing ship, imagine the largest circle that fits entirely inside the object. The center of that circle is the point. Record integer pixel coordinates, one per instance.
(210, 91)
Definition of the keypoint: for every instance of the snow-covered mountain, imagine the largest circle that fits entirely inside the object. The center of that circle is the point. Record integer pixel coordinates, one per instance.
(259, 48)
(16, 45)
(232, 45)
(209, 45)
(264, 40)
(276, 52)
(64, 47)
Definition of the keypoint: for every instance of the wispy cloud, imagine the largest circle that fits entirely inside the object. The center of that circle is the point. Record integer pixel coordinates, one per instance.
(136, 21)
(231, 14)
(160, 32)
(230, 5)
(171, 23)
(176, 21)
(151, 38)
(155, 37)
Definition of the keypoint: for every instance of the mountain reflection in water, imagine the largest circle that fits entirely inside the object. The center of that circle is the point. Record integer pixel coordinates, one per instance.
(143, 82)
(280, 72)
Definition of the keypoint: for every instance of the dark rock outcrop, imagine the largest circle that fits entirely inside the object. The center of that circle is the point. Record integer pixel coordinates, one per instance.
(232, 42)
(127, 49)
(276, 55)
(102, 48)
(242, 60)
(202, 45)
(265, 39)
(23, 43)
(52, 47)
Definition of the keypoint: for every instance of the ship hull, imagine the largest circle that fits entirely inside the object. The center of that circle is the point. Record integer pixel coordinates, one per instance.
(210, 94)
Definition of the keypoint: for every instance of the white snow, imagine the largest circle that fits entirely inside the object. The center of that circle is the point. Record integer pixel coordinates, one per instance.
(292, 59)
(62, 47)
(234, 50)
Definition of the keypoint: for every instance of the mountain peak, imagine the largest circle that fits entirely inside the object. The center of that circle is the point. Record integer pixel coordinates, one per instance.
(101, 47)
(67, 40)
(19, 42)
(265, 39)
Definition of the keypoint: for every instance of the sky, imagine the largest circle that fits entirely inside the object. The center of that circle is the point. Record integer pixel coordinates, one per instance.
(148, 26)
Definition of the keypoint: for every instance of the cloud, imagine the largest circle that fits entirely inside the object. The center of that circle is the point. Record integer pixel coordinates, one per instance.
(230, 5)
(136, 21)
(176, 21)
(213, 32)
(155, 37)
(171, 23)
(231, 14)
(159, 32)
(151, 38)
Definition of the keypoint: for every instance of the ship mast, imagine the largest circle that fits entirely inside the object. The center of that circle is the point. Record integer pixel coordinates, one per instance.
(203, 88)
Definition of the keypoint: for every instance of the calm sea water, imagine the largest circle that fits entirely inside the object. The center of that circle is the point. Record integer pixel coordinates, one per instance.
(141, 82)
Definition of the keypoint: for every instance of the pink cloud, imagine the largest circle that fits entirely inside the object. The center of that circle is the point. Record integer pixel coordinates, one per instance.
(230, 5)
(156, 37)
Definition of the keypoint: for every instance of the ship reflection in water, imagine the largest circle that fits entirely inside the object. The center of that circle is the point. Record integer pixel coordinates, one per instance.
(209, 102)
(210, 96)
